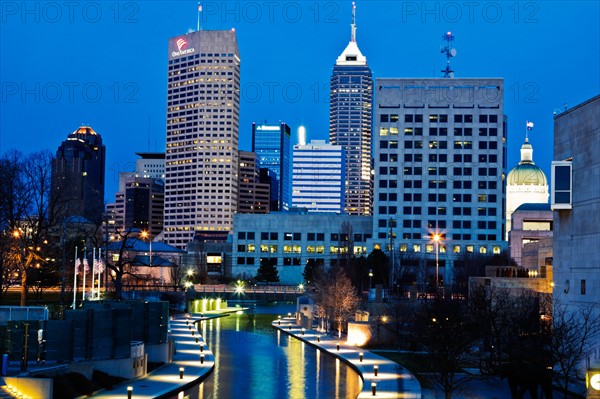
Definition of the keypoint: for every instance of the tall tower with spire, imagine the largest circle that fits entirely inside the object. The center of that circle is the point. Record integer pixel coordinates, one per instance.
(350, 121)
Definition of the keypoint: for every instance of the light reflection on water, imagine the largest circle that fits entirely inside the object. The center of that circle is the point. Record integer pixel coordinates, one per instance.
(253, 360)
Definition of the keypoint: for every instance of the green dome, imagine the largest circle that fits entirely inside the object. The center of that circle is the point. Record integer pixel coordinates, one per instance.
(527, 174)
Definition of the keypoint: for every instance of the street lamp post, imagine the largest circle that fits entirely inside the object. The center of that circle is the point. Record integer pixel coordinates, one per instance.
(436, 240)
(370, 277)
(146, 234)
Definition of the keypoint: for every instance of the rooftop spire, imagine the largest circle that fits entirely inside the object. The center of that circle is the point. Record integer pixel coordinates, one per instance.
(353, 26)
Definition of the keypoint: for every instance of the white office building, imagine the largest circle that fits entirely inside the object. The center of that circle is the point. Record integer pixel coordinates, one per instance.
(201, 165)
(439, 163)
(318, 177)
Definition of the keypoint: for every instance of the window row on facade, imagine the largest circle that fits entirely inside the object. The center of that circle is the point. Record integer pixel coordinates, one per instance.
(274, 236)
(438, 118)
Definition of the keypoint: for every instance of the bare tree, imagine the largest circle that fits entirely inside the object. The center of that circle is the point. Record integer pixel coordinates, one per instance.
(335, 296)
(25, 210)
(124, 254)
(574, 334)
(444, 330)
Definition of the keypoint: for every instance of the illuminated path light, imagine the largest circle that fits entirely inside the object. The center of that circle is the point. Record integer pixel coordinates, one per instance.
(391, 381)
(169, 380)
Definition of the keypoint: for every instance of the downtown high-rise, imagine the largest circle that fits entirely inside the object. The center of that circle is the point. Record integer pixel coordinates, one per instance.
(201, 165)
(440, 165)
(272, 146)
(78, 175)
(350, 121)
(318, 179)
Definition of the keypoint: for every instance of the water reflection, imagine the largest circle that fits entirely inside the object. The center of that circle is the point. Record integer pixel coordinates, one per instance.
(253, 360)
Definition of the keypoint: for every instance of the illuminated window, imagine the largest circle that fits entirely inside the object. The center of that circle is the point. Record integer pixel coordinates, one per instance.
(482, 250)
(470, 249)
(214, 259)
(416, 248)
(264, 248)
(383, 131)
(442, 249)
(402, 247)
(496, 250)
(394, 130)
(297, 249)
(456, 249)
(428, 248)
(251, 247)
(310, 249)
(320, 249)
(287, 249)
(333, 250)
(273, 248)
(376, 246)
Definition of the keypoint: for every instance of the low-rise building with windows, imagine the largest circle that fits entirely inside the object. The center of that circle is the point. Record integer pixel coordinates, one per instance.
(289, 240)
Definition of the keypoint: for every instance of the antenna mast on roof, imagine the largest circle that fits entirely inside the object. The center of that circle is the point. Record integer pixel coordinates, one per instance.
(450, 52)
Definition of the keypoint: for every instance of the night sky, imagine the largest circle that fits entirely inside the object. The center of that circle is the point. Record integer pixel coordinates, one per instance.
(104, 63)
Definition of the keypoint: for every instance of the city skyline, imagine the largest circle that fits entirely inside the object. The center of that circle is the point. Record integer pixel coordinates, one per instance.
(120, 89)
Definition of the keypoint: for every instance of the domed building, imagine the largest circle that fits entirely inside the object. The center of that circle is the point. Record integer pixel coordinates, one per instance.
(526, 183)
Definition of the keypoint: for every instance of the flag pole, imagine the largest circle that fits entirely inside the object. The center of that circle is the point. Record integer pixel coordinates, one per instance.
(83, 271)
(75, 281)
(99, 270)
(94, 274)
(199, 10)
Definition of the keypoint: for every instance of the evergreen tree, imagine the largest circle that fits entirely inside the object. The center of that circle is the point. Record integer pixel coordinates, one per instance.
(267, 272)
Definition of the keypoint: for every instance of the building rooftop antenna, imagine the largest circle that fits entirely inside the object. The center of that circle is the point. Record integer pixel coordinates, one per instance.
(450, 52)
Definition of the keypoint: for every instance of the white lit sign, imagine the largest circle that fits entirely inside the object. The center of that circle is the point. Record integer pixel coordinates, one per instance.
(595, 381)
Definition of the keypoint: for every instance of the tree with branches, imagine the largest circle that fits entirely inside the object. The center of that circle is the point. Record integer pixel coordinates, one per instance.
(335, 297)
(26, 212)
(124, 253)
(574, 333)
(445, 330)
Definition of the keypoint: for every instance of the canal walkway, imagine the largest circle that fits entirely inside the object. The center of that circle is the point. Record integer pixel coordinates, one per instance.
(382, 378)
(192, 362)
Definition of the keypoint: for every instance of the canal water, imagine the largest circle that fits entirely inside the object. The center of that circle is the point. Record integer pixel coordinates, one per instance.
(253, 360)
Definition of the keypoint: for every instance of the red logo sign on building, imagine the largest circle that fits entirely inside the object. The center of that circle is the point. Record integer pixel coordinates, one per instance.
(181, 44)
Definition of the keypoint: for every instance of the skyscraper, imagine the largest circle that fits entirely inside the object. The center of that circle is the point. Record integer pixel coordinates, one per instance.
(253, 195)
(139, 203)
(271, 143)
(78, 175)
(350, 119)
(201, 164)
(318, 182)
(440, 159)
(150, 164)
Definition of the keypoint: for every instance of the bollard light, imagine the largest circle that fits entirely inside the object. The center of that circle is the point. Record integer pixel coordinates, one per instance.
(193, 333)
(196, 339)
(375, 370)
(129, 392)
(338, 346)
(289, 314)
(360, 356)
(202, 358)
(181, 373)
(374, 388)
(303, 331)
(319, 338)
(201, 347)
